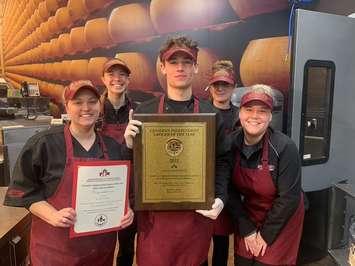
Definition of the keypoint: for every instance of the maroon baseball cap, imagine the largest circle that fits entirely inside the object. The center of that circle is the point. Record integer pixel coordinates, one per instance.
(257, 96)
(75, 86)
(115, 62)
(222, 75)
(174, 49)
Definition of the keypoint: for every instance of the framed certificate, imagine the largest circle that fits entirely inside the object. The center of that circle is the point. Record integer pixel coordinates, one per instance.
(100, 196)
(174, 161)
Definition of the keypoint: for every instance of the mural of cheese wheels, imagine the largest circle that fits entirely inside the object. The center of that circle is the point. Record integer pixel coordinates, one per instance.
(266, 61)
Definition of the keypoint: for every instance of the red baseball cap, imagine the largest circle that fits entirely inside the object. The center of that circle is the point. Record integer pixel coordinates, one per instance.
(174, 49)
(115, 62)
(222, 75)
(257, 96)
(75, 86)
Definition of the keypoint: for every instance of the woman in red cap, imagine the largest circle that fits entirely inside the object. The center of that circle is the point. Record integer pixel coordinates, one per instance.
(267, 173)
(221, 86)
(115, 106)
(43, 178)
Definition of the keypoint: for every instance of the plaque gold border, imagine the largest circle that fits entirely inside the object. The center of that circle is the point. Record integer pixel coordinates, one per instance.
(210, 121)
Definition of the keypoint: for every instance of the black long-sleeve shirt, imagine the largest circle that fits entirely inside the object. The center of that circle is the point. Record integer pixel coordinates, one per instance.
(285, 166)
(221, 169)
(119, 116)
(40, 165)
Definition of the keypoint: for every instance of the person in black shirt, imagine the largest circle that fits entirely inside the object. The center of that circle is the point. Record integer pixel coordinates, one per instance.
(43, 178)
(267, 173)
(179, 237)
(221, 86)
(114, 101)
(115, 106)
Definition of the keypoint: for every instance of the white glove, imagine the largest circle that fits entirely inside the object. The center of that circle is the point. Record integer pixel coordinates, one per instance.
(217, 207)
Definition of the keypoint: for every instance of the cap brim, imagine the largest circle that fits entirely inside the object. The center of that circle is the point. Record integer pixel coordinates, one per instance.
(172, 51)
(118, 64)
(259, 97)
(222, 78)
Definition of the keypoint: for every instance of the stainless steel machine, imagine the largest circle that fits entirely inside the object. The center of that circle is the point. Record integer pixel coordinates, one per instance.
(321, 119)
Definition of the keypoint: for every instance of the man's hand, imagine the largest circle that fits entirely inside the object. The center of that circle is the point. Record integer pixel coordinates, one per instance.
(217, 207)
(132, 130)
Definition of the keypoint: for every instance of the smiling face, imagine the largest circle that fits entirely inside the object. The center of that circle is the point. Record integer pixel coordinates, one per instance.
(221, 92)
(83, 109)
(179, 70)
(255, 118)
(116, 80)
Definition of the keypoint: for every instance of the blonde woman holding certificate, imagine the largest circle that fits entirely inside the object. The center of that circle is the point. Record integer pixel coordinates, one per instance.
(43, 182)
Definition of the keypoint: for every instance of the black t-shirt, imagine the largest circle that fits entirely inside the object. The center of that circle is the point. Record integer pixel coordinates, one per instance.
(221, 169)
(230, 117)
(40, 165)
(285, 169)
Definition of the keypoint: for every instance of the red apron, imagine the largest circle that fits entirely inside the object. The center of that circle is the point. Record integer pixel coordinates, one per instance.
(51, 245)
(115, 131)
(259, 191)
(176, 238)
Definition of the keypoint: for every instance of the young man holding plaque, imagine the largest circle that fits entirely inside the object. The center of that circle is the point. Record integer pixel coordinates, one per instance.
(115, 106)
(43, 182)
(179, 237)
(221, 86)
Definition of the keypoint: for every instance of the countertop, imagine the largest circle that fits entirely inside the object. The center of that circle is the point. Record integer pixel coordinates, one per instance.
(10, 216)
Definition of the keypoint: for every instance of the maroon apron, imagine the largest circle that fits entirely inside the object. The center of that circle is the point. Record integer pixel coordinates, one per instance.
(176, 238)
(51, 245)
(259, 191)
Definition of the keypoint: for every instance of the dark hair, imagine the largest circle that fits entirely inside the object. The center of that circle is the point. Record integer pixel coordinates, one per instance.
(180, 41)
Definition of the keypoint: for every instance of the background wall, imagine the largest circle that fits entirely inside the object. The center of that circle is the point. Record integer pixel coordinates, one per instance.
(53, 42)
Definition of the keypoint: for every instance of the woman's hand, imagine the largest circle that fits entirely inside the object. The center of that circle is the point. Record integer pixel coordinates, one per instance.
(127, 219)
(251, 244)
(132, 130)
(261, 244)
(63, 218)
(59, 218)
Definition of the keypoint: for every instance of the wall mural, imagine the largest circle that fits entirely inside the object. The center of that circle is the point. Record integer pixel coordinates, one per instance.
(53, 42)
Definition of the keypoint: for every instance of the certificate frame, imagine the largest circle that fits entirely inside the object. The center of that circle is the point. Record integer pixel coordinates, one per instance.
(141, 185)
(104, 164)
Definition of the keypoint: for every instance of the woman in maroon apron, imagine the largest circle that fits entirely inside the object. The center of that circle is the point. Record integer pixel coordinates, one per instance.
(221, 86)
(177, 238)
(267, 173)
(115, 106)
(43, 179)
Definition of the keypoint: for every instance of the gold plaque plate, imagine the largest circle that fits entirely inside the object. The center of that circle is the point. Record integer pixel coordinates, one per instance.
(174, 162)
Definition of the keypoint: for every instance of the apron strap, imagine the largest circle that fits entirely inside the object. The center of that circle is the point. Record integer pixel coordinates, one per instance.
(103, 146)
(265, 155)
(68, 143)
(162, 100)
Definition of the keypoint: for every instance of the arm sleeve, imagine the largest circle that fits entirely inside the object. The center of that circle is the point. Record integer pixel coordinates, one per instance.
(25, 186)
(288, 193)
(223, 155)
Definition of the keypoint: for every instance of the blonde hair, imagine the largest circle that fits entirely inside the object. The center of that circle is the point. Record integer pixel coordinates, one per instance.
(261, 88)
(226, 65)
